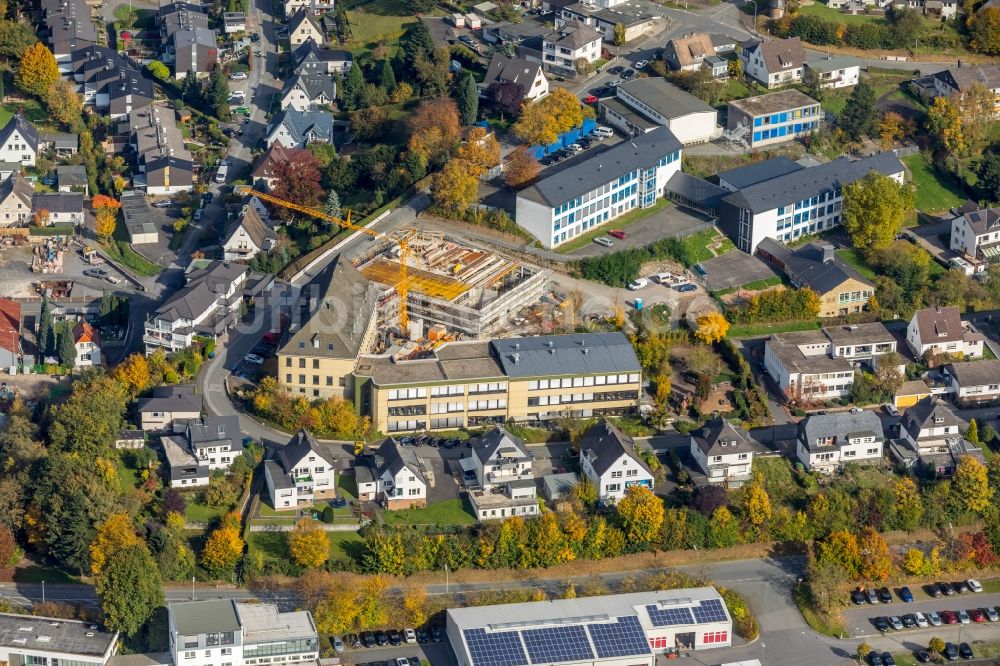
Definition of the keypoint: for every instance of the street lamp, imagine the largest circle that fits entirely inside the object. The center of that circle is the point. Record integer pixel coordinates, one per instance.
(754, 14)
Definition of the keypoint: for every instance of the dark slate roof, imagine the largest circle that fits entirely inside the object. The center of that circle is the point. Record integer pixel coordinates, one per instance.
(201, 291)
(758, 172)
(212, 430)
(301, 16)
(924, 413)
(59, 202)
(975, 373)
(639, 153)
(964, 77)
(801, 184)
(983, 220)
(313, 85)
(396, 457)
(575, 354)
(310, 50)
(297, 448)
(499, 439)
(254, 226)
(663, 97)
(713, 434)
(805, 266)
(573, 35)
(840, 426)
(69, 175)
(171, 399)
(280, 478)
(301, 123)
(604, 444)
(696, 190)
(514, 70)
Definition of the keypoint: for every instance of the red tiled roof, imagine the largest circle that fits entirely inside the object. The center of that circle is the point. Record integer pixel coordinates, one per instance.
(84, 332)
(10, 325)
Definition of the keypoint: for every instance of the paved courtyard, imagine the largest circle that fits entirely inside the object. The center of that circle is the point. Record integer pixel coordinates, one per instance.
(735, 268)
(668, 221)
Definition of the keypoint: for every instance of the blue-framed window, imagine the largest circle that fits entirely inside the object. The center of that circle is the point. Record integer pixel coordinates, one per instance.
(757, 122)
(756, 136)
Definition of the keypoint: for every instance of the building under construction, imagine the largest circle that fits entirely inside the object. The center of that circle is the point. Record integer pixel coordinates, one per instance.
(463, 289)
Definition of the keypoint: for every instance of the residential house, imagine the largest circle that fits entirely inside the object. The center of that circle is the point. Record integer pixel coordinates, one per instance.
(306, 92)
(234, 22)
(500, 476)
(559, 487)
(219, 632)
(215, 441)
(297, 129)
(168, 406)
(164, 166)
(641, 105)
(110, 82)
(19, 141)
(36, 639)
(16, 195)
(942, 331)
(931, 439)
(88, 345)
(248, 237)
(975, 383)
(608, 458)
(723, 452)
(304, 26)
(773, 118)
(799, 203)
(190, 44)
(207, 305)
(827, 441)
(183, 469)
(975, 234)
(394, 475)
(72, 178)
(317, 7)
(63, 207)
(10, 334)
(832, 72)
(841, 289)
(62, 144)
(525, 73)
(263, 173)
(960, 80)
(338, 323)
(723, 43)
(67, 25)
(300, 473)
(571, 45)
(311, 59)
(138, 218)
(775, 63)
(628, 176)
(688, 53)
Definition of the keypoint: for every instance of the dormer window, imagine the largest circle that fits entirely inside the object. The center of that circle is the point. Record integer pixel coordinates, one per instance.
(938, 420)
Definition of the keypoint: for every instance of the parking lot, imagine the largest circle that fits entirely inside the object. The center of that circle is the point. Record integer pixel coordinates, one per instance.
(18, 279)
(735, 268)
(668, 221)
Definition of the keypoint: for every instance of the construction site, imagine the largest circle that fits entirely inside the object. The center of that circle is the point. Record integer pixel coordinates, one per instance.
(451, 286)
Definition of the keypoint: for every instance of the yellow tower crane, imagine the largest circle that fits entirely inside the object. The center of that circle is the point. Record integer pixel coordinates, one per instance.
(402, 285)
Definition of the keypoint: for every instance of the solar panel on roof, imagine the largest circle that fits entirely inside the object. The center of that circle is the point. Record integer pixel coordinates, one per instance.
(666, 617)
(498, 649)
(623, 638)
(555, 644)
(710, 610)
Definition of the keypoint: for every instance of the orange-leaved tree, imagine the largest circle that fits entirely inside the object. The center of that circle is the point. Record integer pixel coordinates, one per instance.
(107, 213)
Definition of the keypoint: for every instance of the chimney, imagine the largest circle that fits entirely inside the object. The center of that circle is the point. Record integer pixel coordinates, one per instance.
(828, 254)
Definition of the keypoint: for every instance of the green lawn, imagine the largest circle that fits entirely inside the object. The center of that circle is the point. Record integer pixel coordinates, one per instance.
(697, 245)
(448, 512)
(756, 285)
(31, 110)
(757, 330)
(933, 194)
(347, 545)
(196, 512)
(618, 223)
(857, 262)
(834, 101)
(347, 487)
(988, 354)
(128, 477)
(274, 545)
(382, 20)
(37, 574)
(735, 89)
(821, 10)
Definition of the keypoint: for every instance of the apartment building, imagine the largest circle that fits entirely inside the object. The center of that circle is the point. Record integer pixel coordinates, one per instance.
(207, 305)
(974, 383)
(931, 439)
(468, 384)
(841, 289)
(305, 92)
(222, 632)
(832, 72)
(33, 640)
(163, 165)
(723, 452)
(942, 331)
(608, 458)
(69, 25)
(571, 44)
(775, 117)
(393, 475)
(500, 477)
(300, 473)
(641, 105)
(109, 81)
(188, 43)
(337, 322)
(826, 441)
(627, 176)
(636, 19)
(775, 63)
(521, 71)
(975, 233)
(799, 202)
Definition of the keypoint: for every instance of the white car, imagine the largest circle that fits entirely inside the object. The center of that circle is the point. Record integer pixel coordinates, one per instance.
(163, 204)
(640, 283)
(409, 635)
(574, 148)
(641, 64)
(921, 620)
(890, 409)
(934, 619)
(615, 83)
(198, 214)
(238, 76)
(253, 359)
(963, 617)
(974, 585)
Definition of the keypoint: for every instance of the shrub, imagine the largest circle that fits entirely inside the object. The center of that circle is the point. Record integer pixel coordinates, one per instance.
(743, 619)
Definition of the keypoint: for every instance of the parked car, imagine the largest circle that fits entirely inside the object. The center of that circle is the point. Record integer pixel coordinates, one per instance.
(615, 83)
(628, 74)
(95, 273)
(977, 615)
(946, 589)
(905, 594)
(961, 587)
(858, 597)
(409, 636)
(974, 585)
(381, 637)
(353, 640)
(685, 288)
(238, 76)
(253, 359)
(198, 214)
(895, 622)
(950, 651)
(590, 99)
(887, 659)
(641, 64)
(909, 620)
(422, 636)
(933, 590)
(890, 409)
(336, 644)
(617, 69)
(617, 233)
(949, 617)
(368, 639)
(934, 619)
(921, 620)
(991, 614)
(881, 623)
(872, 595)
(639, 283)
(884, 595)
(167, 203)
(574, 148)
(875, 659)
(605, 241)
(395, 638)
(922, 656)
(965, 651)
(963, 617)
(437, 634)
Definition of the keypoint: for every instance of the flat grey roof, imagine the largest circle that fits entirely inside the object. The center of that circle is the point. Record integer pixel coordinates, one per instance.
(664, 97)
(639, 153)
(625, 111)
(452, 361)
(262, 623)
(859, 334)
(28, 632)
(785, 347)
(200, 617)
(575, 354)
(783, 100)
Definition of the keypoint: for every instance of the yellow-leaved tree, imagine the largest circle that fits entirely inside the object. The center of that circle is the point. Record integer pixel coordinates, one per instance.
(971, 485)
(543, 121)
(945, 124)
(134, 373)
(37, 71)
(455, 187)
(114, 534)
(224, 547)
(876, 565)
(107, 214)
(642, 515)
(756, 504)
(308, 543)
(712, 327)
(481, 151)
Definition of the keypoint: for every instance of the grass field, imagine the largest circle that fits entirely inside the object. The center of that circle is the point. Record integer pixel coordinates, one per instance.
(379, 21)
(696, 245)
(31, 110)
(618, 223)
(448, 512)
(757, 330)
(37, 574)
(274, 545)
(821, 10)
(932, 193)
(196, 512)
(852, 259)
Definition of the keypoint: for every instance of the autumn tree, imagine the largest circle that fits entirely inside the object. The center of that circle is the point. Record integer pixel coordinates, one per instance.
(723, 528)
(874, 210)
(641, 513)
(481, 150)
(506, 97)
(620, 34)
(984, 27)
(106, 212)
(10, 552)
(756, 504)
(42, 217)
(891, 128)
(712, 327)
(134, 373)
(972, 434)
(876, 563)
(369, 123)
(455, 188)
(224, 548)
(158, 70)
(114, 534)
(976, 107)
(970, 486)
(37, 71)
(841, 550)
(522, 168)
(298, 179)
(944, 122)
(542, 122)
(308, 543)
(64, 104)
(908, 503)
(435, 128)
(129, 589)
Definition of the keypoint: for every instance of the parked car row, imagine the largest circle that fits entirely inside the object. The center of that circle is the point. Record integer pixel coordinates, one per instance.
(951, 652)
(678, 281)
(581, 144)
(883, 595)
(370, 639)
(427, 440)
(935, 619)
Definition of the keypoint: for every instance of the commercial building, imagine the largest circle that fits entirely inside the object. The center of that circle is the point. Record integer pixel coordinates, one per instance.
(221, 632)
(832, 72)
(608, 458)
(467, 384)
(659, 102)
(826, 441)
(942, 331)
(975, 233)
(138, 218)
(300, 473)
(608, 184)
(774, 118)
(774, 63)
(596, 631)
(48, 641)
(723, 452)
(841, 289)
(799, 202)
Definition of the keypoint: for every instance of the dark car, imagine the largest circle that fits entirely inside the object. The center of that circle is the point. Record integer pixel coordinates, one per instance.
(946, 589)
(617, 69)
(395, 638)
(887, 659)
(961, 587)
(858, 597)
(965, 651)
(909, 620)
(949, 617)
(933, 590)
(881, 623)
(437, 635)
(923, 656)
(950, 651)
(422, 636)
(352, 640)
(413, 661)
(905, 594)
(381, 637)
(875, 659)
(885, 596)
(628, 74)
(367, 639)
(254, 38)
(684, 288)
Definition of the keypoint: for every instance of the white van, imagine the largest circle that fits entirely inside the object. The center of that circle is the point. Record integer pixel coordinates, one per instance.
(604, 132)
(604, 240)
(220, 175)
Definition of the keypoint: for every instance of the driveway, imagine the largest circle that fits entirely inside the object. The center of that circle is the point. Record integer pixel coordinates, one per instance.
(735, 268)
(670, 220)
